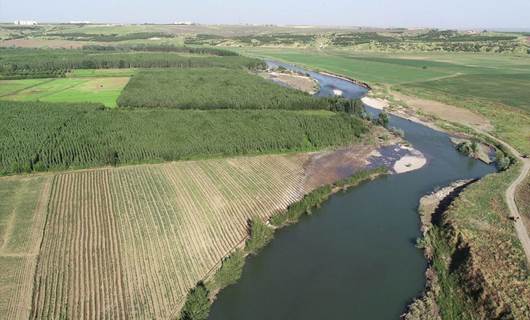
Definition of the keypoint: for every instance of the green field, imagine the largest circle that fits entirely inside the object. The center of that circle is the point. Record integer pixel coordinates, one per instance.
(508, 89)
(103, 90)
(99, 73)
(212, 88)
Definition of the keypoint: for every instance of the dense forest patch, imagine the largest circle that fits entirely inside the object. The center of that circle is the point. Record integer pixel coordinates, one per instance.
(37, 136)
(212, 88)
(39, 63)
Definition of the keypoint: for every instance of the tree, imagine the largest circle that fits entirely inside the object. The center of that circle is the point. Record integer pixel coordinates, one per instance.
(382, 119)
(197, 306)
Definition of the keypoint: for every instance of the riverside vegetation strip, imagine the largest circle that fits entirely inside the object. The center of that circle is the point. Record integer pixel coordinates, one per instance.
(199, 298)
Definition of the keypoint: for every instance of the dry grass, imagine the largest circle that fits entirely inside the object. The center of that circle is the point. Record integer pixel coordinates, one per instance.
(130, 242)
(22, 217)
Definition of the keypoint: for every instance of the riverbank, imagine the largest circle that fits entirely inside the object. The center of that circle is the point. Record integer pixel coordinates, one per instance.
(480, 223)
(292, 80)
(200, 298)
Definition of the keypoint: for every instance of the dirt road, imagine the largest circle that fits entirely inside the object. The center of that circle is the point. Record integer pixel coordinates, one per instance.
(520, 228)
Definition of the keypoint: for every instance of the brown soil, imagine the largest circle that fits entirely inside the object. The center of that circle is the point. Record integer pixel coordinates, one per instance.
(328, 167)
(37, 43)
(295, 81)
(445, 112)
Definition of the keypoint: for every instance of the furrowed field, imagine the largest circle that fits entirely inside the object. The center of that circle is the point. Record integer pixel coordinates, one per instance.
(40, 136)
(130, 242)
(200, 88)
(23, 209)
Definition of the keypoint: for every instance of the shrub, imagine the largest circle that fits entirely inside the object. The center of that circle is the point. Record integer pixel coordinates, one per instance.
(260, 235)
(197, 306)
(230, 270)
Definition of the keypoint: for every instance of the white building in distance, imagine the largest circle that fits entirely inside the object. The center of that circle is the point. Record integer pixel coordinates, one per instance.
(26, 23)
(184, 23)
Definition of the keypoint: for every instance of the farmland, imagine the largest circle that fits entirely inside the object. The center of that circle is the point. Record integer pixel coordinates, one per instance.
(40, 136)
(22, 219)
(103, 90)
(199, 89)
(130, 242)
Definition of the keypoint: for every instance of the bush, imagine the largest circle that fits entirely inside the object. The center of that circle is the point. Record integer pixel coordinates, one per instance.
(382, 119)
(230, 270)
(260, 236)
(502, 161)
(197, 306)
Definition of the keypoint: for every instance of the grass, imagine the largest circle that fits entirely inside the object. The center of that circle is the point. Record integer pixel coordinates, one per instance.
(103, 90)
(99, 73)
(368, 71)
(508, 89)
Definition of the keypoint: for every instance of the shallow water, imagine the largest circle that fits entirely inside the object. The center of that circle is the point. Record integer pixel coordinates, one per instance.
(355, 256)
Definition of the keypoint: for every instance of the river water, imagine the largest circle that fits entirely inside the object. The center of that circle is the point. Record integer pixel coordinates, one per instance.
(355, 256)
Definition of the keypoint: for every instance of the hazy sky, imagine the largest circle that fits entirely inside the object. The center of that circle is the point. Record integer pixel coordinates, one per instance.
(406, 13)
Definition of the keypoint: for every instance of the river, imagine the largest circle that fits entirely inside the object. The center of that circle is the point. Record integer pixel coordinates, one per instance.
(355, 256)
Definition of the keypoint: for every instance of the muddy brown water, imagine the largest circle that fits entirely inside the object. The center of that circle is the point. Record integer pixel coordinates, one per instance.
(355, 256)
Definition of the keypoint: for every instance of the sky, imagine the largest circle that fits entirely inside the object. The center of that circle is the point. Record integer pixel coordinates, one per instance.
(464, 14)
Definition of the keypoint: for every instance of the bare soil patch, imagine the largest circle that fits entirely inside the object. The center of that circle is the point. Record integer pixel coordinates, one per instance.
(293, 80)
(445, 111)
(38, 43)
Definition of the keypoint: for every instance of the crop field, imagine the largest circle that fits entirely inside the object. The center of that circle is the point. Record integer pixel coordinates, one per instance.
(398, 68)
(105, 90)
(22, 217)
(199, 88)
(508, 89)
(128, 243)
(39, 136)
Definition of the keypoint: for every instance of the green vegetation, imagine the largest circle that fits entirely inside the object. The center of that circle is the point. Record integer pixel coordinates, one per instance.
(110, 37)
(98, 90)
(260, 236)
(230, 270)
(212, 88)
(40, 63)
(197, 306)
(479, 260)
(508, 89)
(41, 136)
(319, 195)
(162, 48)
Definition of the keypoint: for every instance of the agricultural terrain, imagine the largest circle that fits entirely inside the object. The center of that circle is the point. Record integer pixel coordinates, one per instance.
(105, 90)
(131, 242)
(117, 229)
(23, 212)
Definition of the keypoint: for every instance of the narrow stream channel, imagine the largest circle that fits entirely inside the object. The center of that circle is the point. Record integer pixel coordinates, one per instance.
(355, 256)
